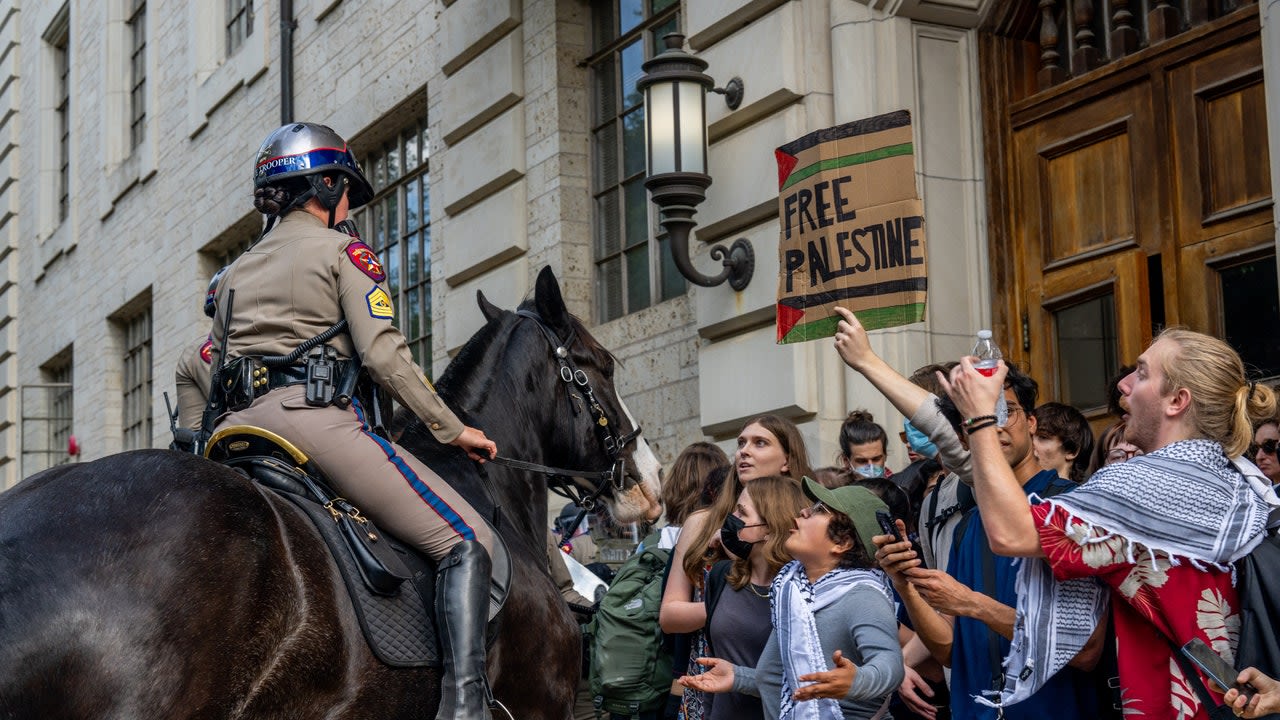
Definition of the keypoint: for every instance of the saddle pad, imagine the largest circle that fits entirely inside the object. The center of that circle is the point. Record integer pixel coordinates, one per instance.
(397, 628)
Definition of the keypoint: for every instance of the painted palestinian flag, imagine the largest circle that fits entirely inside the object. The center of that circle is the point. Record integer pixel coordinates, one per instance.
(852, 228)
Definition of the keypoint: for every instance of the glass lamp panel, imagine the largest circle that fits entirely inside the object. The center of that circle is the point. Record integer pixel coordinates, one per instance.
(693, 127)
(660, 112)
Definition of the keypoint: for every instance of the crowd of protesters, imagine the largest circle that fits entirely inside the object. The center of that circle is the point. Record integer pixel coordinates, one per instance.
(1032, 571)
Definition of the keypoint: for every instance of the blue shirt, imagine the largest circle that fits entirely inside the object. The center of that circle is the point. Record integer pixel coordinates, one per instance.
(1068, 694)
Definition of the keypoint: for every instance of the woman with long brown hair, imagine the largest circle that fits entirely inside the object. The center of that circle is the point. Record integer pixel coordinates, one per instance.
(737, 591)
(767, 445)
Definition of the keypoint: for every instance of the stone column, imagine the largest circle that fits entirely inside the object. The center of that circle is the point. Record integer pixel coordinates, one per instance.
(1269, 10)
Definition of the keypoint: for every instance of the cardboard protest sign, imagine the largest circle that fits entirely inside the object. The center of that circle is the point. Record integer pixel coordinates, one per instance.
(852, 228)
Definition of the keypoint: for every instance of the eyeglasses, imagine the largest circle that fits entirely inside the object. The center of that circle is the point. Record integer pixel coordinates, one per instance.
(1013, 414)
(1266, 446)
(1120, 454)
(811, 511)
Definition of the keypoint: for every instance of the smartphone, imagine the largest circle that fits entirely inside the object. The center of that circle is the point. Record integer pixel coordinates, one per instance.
(1214, 666)
(886, 523)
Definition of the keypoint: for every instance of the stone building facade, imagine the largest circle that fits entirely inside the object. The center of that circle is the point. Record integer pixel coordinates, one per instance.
(125, 160)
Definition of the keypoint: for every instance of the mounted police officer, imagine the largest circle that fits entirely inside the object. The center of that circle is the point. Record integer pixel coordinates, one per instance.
(288, 293)
(191, 378)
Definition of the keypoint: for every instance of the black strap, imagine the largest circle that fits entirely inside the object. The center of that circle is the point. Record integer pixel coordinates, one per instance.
(993, 637)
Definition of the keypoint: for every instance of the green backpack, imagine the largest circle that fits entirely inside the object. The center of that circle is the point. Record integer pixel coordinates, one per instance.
(630, 664)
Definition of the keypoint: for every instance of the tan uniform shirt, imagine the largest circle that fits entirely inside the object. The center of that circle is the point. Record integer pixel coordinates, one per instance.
(300, 280)
(192, 376)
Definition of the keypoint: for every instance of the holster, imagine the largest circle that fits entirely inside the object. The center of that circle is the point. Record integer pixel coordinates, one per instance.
(322, 376)
(240, 381)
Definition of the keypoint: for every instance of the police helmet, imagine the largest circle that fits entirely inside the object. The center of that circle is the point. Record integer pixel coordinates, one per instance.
(311, 151)
(210, 301)
(568, 514)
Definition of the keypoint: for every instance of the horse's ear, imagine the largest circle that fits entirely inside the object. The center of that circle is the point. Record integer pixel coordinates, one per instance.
(548, 301)
(488, 309)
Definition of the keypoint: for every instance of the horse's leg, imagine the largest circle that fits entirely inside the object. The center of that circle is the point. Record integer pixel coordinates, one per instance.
(537, 660)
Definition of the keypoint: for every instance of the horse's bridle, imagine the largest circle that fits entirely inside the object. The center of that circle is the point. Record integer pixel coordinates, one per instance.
(560, 480)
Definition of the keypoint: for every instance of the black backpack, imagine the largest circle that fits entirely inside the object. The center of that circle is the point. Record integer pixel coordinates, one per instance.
(1258, 576)
(1258, 582)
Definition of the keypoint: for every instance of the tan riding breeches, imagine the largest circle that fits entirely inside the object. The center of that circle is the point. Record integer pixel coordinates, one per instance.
(388, 484)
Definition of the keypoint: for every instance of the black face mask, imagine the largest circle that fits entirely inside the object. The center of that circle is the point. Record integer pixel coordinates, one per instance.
(729, 539)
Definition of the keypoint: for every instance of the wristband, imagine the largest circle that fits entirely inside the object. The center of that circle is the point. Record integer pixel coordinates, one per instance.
(980, 426)
(974, 420)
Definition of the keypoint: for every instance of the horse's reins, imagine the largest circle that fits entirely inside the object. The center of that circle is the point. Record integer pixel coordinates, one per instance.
(560, 480)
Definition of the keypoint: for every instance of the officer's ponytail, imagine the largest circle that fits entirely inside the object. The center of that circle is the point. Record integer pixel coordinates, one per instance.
(271, 199)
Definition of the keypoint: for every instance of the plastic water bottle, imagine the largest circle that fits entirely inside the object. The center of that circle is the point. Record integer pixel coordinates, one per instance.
(989, 356)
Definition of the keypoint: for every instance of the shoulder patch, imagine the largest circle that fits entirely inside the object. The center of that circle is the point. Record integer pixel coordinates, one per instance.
(379, 304)
(366, 260)
(206, 351)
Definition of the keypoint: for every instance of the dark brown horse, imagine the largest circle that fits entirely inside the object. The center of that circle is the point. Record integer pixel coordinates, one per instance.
(155, 584)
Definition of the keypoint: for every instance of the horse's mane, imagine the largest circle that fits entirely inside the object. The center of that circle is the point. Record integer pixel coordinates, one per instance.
(413, 432)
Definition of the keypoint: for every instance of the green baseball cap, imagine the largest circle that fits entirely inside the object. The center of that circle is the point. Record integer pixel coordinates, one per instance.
(859, 503)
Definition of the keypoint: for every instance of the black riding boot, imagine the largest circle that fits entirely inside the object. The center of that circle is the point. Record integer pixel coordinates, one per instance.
(462, 609)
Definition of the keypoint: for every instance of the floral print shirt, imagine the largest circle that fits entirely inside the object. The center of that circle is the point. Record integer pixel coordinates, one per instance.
(1152, 599)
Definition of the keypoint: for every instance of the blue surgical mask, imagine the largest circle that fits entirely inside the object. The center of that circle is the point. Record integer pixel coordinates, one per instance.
(870, 470)
(919, 442)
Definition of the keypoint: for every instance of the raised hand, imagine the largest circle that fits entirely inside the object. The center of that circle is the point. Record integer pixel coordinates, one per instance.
(973, 393)
(851, 340)
(895, 555)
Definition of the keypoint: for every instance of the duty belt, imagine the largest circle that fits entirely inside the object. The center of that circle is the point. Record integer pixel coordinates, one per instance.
(287, 375)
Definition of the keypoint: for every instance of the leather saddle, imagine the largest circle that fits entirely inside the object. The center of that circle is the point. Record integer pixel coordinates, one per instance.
(392, 586)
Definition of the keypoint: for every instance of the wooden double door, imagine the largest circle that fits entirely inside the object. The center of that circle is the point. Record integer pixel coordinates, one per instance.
(1133, 196)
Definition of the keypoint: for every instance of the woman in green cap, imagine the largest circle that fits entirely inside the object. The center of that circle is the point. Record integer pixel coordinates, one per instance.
(830, 602)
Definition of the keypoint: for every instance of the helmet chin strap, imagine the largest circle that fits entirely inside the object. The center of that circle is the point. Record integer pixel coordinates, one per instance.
(328, 195)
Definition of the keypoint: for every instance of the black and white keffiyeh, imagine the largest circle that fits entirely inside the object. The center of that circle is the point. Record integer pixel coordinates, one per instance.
(1185, 502)
(795, 600)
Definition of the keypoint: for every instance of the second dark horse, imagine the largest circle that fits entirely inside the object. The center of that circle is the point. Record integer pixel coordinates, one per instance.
(153, 584)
